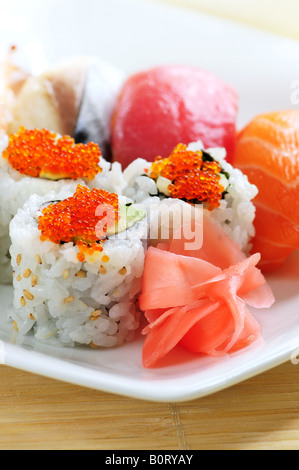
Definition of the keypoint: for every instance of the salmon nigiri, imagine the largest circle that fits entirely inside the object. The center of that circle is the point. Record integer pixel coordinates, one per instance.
(267, 151)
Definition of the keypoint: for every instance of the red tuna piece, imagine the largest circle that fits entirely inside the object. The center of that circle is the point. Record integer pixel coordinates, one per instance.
(165, 105)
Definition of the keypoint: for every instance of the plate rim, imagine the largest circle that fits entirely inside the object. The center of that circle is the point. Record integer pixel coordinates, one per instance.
(86, 377)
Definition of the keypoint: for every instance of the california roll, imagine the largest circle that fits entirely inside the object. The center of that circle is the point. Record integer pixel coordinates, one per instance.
(78, 262)
(38, 161)
(201, 178)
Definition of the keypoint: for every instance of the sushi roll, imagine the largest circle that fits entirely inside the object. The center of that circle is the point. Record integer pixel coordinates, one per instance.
(201, 178)
(75, 97)
(36, 162)
(76, 274)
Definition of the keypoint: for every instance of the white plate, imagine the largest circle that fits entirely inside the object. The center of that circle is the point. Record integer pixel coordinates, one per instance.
(133, 34)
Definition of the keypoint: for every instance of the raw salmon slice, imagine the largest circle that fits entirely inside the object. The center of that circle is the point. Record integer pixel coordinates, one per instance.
(267, 150)
(165, 105)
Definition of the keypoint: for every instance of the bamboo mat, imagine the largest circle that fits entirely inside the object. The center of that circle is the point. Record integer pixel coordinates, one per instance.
(262, 413)
(38, 413)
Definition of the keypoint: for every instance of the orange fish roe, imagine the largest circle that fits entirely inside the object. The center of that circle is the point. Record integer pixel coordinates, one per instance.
(75, 220)
(193, 179)
(40, 153)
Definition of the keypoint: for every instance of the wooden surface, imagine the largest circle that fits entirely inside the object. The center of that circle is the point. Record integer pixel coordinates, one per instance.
(38, 413)
(262, 413)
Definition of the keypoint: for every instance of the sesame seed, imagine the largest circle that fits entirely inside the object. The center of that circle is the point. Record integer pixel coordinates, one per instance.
(102, 270)
(34, 280)
(28, 295)
(69, 300)
(65, 274)
(123, 271)
(31, 317)
(19, 277)
(19, 259)
(81, 274)
(38, 259)
(22, 301)
(27, 273)
(91, 318)
(15, 326)
(95, 315)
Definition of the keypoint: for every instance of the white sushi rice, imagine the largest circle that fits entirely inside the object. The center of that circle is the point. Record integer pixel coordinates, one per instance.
(17, 188)
(236, 213)
(110, 179)
(65, 302)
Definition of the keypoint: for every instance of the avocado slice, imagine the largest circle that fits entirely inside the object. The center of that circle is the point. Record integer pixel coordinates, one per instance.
(53, 177)
(129, 215)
